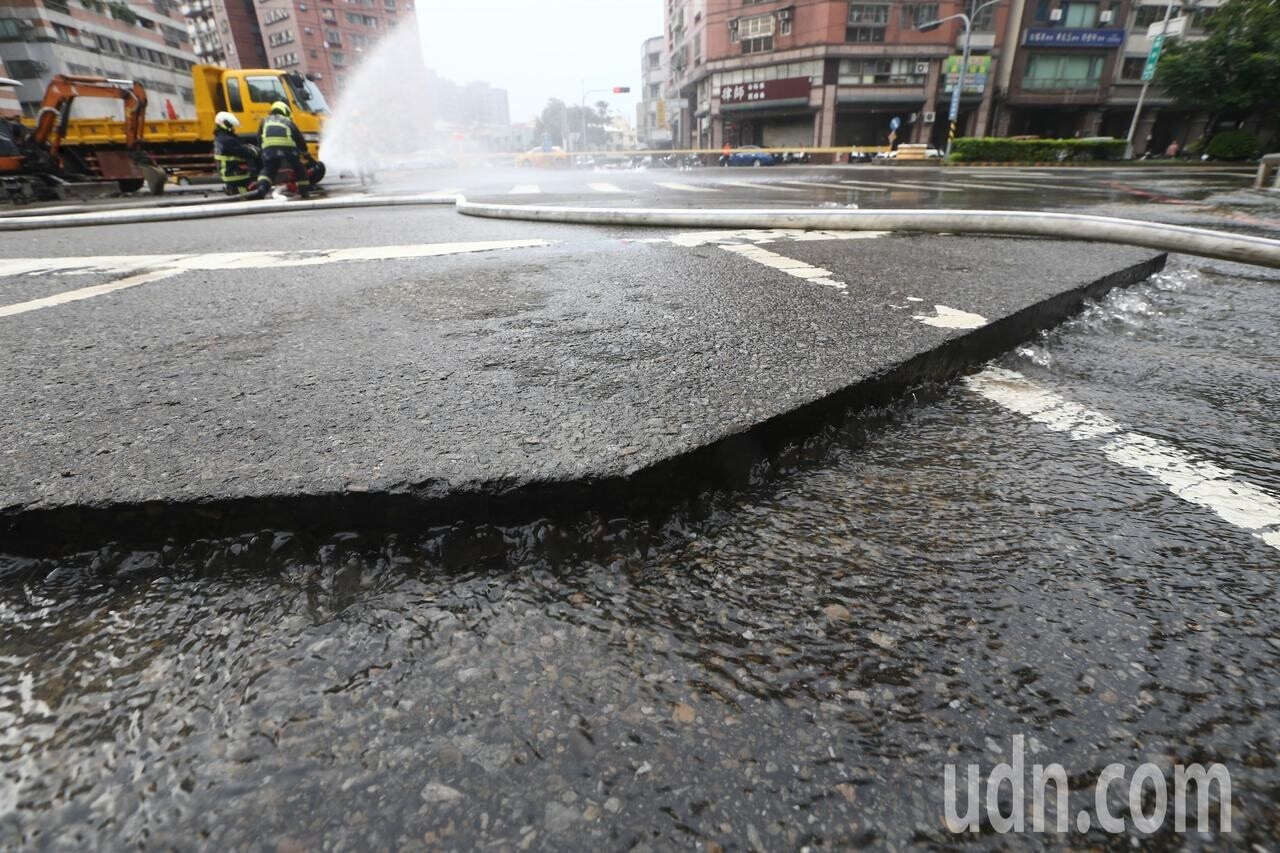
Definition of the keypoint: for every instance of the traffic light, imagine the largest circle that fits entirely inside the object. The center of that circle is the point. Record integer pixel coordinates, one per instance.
(621, 90)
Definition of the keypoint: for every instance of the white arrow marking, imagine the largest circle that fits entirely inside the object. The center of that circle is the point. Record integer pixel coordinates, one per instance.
(790, 266)
(951, 318)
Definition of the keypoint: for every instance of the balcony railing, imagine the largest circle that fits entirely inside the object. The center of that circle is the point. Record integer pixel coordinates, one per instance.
(1061, 83)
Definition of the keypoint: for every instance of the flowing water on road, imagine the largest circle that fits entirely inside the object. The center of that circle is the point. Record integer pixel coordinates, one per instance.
(791, 665)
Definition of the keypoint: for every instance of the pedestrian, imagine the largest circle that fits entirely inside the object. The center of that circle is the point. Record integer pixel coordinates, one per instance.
(282, 145)
(725, 152)
(237, 160)
(1173, 150)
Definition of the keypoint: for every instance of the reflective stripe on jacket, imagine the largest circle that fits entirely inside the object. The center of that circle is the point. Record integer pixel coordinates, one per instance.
(277, 132)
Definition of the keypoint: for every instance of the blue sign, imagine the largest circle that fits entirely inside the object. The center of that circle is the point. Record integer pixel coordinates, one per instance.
(546, 142)
(1059, 37)
(895, 123)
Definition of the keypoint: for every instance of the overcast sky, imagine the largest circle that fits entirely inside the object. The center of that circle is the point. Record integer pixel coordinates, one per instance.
(540, 49)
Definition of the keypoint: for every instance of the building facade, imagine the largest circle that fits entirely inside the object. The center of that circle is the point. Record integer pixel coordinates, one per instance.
(823, 73)
(226, 32)
(324, 40)
(147, 42)
(9, 107)
(653, 125)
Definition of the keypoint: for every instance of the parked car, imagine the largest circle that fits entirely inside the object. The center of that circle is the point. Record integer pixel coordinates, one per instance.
(789, 157)
(751, 155)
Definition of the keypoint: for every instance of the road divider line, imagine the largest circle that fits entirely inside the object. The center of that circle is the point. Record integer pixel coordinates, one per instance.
(147, 270)
(790, 266)
(1194, 480)
(932, 187)
(840, 187)
(604, 188)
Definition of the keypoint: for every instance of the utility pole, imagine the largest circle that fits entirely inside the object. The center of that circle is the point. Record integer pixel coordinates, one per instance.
(953, 114)
(1147, 73)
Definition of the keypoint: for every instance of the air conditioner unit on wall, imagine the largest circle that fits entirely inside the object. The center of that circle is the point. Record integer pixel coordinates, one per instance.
(922, 68)
(929, 117)
(1105, 17)
(1055, 15)
(784, 14)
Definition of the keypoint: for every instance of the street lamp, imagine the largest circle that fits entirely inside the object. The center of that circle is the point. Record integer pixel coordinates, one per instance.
(616, 90)
(954, 113)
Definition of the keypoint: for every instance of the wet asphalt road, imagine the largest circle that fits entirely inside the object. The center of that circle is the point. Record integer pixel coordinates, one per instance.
(788, 664)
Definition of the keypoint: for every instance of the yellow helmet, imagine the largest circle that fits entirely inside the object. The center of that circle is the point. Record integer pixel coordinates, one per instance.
(281, 108)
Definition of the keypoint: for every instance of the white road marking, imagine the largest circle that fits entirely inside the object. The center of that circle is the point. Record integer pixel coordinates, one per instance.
(894, 185)
(798, 269)
(952, 318)
(604, 188)
(932, 187)
(686, 188)
(974, 186)
(835, 187)
(86, 292)
(1195, 480)
(525, 189)
(760, 186)
(148, 268)
(762, 235)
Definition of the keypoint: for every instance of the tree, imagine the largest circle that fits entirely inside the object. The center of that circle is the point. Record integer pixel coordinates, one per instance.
(559, 119)
(1235, 71)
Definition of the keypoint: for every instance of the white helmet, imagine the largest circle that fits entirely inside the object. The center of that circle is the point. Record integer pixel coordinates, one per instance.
(226, 120)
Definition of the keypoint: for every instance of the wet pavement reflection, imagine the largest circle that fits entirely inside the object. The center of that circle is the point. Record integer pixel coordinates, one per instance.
(792, 665)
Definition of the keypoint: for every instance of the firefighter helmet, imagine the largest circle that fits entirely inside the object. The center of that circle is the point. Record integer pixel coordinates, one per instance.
(227, 121)
(280, 108)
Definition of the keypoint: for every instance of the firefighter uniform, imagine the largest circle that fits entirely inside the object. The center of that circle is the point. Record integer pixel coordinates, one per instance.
(237, 160)
(282, 145)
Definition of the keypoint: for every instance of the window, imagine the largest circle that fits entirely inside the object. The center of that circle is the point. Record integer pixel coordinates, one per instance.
(24, 69)
(1042, 11)
(985, 21)
(313, 53)
(285, 60)
(332, 38)
(915, 14)
(1050, 71)
(234, 101)
(1148, 15)
(265, 90)
(337, 57)
(64, 34)
(867, 22)
(329, 16)
(367, 20)
(1132, 67)
(755, 34)
(275, 15)
(655, 60)
(1080, 15)
(9, 30)
(389, 5)
(866, 72)
(277, 39)
(655, 90)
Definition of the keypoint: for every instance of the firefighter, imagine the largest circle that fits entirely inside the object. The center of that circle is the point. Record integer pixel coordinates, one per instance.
(282, 145)
(238, 161)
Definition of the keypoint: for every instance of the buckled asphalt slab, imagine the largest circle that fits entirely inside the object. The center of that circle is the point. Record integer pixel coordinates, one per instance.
(511, 378)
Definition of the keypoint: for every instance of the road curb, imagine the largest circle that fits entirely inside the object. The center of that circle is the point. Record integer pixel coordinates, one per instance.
(1241, 248)
(728, 462)
(212, 210)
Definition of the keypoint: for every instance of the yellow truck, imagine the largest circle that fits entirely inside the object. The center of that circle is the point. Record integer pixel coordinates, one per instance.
(184, 147)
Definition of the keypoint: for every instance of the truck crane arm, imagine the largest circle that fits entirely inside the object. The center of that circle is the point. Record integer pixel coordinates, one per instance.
(55, 110)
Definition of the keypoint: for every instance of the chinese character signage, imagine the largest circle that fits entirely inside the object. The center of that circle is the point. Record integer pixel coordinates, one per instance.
(765, 90)
(1058, 37)
(975, 79)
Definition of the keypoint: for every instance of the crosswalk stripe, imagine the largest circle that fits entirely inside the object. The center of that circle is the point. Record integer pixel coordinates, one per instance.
(525, 189)
(835, 186)
(604, 188)
(760, 186)
(688, 188)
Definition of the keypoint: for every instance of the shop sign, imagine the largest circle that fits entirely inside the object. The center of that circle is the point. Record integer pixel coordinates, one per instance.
(765, 90)
(975, 79)
(1059, 37)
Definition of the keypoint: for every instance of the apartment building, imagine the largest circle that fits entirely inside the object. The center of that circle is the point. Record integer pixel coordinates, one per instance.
(653, 124)
(9, 107)
(225, 32)
(1078, 71)
(824, 73)
(147, 42)
(324, 40)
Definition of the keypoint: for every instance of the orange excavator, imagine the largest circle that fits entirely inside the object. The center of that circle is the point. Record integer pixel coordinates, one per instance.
(33, 164)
